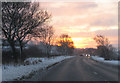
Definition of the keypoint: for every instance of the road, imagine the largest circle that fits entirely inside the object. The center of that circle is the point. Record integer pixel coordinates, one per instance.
(79, 68)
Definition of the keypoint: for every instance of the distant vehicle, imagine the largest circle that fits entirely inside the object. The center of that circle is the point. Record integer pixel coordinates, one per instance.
(88, 55)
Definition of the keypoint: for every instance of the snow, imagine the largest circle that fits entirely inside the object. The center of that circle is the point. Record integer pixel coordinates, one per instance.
(32, 60)
(0, 73)
(100, 59)
(11, 72)
(97, 58)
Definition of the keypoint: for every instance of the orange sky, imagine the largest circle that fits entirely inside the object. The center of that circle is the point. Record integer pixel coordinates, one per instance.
(83, 20)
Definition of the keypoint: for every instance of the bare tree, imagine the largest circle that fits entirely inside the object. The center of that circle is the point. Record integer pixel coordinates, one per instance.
(45, 34)
(49, 38)
(66, 44)
(19, 19)
(104, 47)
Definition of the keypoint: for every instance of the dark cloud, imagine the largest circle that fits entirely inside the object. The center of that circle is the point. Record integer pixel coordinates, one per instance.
(109, 32)
(86, 5)
(69, 8)
(105, 21)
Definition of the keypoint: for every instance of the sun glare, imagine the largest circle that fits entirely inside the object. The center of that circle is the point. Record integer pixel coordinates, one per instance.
(84, 42)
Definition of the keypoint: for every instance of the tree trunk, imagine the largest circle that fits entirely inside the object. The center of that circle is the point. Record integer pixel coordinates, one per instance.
(21, 50)
(13, 51)
(47, 50)
(107, 57)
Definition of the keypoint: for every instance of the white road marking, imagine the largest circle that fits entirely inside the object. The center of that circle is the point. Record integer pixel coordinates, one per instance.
(95, 73)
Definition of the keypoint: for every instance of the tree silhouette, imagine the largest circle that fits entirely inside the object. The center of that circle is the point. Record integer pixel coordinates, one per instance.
(19, 19)
(66, 44)
(104, 47)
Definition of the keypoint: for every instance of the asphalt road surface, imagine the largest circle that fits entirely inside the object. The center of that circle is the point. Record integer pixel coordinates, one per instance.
(79, 68)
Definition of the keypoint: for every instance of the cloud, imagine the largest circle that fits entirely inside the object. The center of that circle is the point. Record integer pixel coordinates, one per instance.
(86, 5)
(68, 8)
(105, 20)
(84, 19)
(109, 32)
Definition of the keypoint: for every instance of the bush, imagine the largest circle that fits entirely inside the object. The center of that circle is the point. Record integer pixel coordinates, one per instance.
(33, 51)
(7, 56)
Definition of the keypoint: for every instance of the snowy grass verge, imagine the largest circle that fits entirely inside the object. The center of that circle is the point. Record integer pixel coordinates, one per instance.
(10, 73)
(111, 62)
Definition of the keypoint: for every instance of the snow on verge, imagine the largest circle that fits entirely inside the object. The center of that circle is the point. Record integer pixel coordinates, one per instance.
(14, 72)
(100, 59)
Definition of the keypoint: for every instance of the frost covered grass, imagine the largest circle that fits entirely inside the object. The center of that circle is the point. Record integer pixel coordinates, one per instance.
(10, 72)
(100, 59)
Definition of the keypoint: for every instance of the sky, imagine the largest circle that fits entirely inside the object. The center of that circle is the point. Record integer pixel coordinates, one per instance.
(84, 20)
